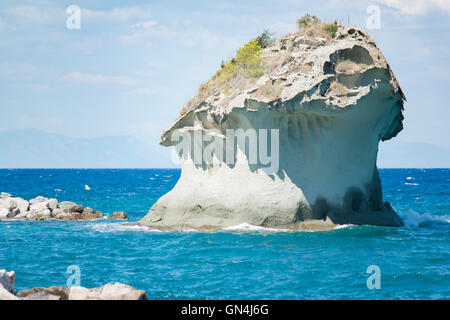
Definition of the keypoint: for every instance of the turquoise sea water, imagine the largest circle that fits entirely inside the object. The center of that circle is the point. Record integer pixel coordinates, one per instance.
(228, 264)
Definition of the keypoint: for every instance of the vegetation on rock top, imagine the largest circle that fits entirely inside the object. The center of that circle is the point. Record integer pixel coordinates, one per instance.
(248, 65)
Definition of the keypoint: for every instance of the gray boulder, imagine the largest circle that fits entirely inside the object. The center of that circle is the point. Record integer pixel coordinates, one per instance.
(53, 204)
(22, 204)
(69, 206)
(38, 200)
(5, 195)
(4, 213)
(118, 215)
(8, 203)
(40, 210)
(91, 214)
(110, 291)
(60, 214)
(7, 285)
(7, 280)
(22, 215)
(41, 293)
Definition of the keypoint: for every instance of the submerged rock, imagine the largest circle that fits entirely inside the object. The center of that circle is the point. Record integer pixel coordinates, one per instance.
(118, 215)
(317, 114)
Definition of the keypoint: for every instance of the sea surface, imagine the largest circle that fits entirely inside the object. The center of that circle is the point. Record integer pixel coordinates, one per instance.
(242, 263)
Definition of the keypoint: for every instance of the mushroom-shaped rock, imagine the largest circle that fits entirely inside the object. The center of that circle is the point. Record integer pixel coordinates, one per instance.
(294, 143)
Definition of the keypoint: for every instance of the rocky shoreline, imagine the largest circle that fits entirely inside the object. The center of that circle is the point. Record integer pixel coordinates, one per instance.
(42, 208)
(110, 291)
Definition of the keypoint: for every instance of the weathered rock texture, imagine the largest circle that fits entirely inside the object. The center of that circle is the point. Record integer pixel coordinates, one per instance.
(7, 285)
(110, 291)
(332, 103)
(41, 208)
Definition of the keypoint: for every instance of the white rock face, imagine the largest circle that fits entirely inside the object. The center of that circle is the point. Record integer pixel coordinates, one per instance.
(8, 203)
(110, 291)
(6, 295)
(5, 195)
(334, 103)
(5, 213)
(7, 280)
(22, 204)
(38, 199)
(7, 285)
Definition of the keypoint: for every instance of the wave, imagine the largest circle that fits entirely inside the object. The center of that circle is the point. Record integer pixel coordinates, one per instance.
(249, 227)
(119, 227)
(415, 219)
(343, 226)
(106, 227)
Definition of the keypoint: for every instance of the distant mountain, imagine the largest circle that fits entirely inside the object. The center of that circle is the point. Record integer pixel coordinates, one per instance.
(401, 154)
(38, 149)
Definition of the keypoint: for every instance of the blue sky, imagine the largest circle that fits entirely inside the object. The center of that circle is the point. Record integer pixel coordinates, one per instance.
(133, 64)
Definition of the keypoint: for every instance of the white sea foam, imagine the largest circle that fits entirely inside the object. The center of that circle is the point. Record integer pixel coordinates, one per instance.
(411, 183)
(343, 226)
(248, 227)
(119, 227)
(412, 218)
(125, 227)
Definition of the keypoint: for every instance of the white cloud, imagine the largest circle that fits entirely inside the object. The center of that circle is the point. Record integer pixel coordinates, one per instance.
(19, 70)
(32, 14)
(418, 7)
(144, 91)
(96, 79)
(152, 33)
(146, 24)
(118, 14)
